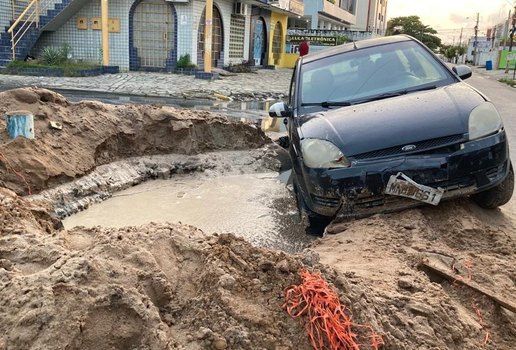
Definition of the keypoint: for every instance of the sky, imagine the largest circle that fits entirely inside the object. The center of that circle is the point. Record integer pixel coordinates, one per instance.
(449, 16)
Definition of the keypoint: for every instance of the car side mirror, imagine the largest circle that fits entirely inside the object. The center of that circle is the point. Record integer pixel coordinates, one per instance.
(280, 110)
(463, 71)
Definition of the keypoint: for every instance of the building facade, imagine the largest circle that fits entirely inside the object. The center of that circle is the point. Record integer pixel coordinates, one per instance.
(155, 34)
(371, 17)
(331, 15)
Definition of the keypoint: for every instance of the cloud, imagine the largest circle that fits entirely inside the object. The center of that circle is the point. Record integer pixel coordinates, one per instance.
(456, 18)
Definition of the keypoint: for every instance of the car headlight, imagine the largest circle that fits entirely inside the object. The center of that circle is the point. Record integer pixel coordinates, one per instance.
(484, 120)
(322, 154)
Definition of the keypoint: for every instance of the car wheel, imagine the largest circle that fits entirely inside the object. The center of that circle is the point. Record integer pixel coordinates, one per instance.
(498, 195)
(316, 222)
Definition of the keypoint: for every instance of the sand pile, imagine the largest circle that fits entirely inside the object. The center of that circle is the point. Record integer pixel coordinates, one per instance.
(95, 133)
(171, 286)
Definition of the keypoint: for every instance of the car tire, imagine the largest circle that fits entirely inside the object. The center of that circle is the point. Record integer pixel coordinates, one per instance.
(316, 222)
(498, 195)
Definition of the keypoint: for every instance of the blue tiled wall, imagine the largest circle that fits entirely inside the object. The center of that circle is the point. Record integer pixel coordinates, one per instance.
(87, 44)
(226, 9)
(185, 27)
(5, 14)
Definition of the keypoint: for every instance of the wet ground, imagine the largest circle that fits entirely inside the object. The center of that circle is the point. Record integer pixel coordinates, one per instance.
(257, 207)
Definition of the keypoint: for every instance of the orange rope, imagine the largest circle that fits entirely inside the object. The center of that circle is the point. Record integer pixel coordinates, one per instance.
(468, 266)
(487, 336)
(8, 166)
(329, 327)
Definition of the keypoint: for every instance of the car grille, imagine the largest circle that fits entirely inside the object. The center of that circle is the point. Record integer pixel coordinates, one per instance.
(445, 144)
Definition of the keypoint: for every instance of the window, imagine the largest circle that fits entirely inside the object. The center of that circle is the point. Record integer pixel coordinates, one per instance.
(236, 37)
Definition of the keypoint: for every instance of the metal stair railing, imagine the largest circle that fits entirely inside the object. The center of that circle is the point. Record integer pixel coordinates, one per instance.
(27, 18)
(18, 7)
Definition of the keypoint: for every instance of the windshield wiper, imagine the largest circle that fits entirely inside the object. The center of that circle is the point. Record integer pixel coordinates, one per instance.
(327, 104)
(398, 93)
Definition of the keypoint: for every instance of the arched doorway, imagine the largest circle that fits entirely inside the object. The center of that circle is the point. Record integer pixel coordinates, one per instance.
(259, 42)
(152, 35)
(277, 43)
(217, 39)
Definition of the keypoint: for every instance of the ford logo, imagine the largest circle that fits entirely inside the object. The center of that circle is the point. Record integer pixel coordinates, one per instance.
(408, 148)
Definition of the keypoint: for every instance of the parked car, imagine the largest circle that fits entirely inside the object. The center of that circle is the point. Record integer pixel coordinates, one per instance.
(383, 124)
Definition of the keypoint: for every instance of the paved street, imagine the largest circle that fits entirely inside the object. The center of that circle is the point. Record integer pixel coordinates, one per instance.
(502, 95)
(244, 86)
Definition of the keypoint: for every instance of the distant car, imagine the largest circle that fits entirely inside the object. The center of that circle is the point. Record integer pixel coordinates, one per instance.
(383, 124)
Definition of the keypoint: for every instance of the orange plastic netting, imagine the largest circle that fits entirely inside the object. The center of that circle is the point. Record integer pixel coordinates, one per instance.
(328, 325)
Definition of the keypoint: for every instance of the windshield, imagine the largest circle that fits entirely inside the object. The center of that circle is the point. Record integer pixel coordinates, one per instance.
(361, 75)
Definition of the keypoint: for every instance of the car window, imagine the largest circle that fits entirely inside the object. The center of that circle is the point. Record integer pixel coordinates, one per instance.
(363, 73)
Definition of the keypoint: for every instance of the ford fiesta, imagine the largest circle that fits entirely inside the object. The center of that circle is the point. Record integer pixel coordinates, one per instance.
(383, 124)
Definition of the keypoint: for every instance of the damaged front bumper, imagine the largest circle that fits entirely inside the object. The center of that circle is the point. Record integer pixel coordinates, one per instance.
(359, 190)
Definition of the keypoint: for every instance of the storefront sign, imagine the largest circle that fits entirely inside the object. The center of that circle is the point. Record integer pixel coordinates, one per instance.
(314, 40)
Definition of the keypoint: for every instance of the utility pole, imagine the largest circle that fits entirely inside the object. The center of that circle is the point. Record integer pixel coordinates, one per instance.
(475, 51)
(460, 41)
(513, 29)
(511, 35)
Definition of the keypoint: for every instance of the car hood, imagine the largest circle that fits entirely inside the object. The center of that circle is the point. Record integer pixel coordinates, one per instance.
(396, 121)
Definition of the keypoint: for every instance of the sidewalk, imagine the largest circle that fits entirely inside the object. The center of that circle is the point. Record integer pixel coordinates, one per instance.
(263, 84)
(495, 74)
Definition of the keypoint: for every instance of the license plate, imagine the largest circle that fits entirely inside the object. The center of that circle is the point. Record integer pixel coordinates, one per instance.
(402, 185)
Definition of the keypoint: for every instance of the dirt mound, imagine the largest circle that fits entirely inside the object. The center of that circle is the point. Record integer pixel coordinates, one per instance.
(165, 286)
(419, 309)
(170, 286)
(151, 287)
(95, 133)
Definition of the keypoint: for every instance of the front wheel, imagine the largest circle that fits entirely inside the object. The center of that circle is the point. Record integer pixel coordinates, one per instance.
(316, 222)
(498, 195)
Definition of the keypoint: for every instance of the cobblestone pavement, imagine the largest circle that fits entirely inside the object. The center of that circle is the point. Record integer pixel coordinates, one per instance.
(260, 85)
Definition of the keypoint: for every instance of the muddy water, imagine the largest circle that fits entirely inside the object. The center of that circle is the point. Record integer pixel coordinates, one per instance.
(257, 207)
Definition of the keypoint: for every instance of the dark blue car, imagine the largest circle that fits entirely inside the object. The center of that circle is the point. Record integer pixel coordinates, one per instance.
(383, 124)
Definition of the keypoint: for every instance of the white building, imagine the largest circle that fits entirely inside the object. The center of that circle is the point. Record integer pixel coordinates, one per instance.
(371, 16)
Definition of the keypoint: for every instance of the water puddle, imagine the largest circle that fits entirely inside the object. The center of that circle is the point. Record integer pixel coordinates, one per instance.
(257, 207)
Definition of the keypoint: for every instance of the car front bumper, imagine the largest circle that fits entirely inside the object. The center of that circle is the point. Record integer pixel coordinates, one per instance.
(359, 190)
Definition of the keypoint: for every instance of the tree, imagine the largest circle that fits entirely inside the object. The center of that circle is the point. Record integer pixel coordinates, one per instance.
(450, 52)
(412, 25)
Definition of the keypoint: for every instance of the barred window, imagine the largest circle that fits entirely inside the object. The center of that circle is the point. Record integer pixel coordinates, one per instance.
(236, 36)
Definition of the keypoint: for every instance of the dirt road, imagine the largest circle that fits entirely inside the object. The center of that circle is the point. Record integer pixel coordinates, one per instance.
(172, 286)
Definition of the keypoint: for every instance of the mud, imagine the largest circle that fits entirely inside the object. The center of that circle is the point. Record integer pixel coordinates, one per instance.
(173, 286)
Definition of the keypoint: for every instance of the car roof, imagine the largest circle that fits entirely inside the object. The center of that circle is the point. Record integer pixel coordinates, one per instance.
(362, 44)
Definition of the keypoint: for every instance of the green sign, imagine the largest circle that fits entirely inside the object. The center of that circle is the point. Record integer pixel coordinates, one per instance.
(506, 56)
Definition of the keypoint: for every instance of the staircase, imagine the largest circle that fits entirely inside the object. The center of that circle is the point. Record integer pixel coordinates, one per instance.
(30, 19)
